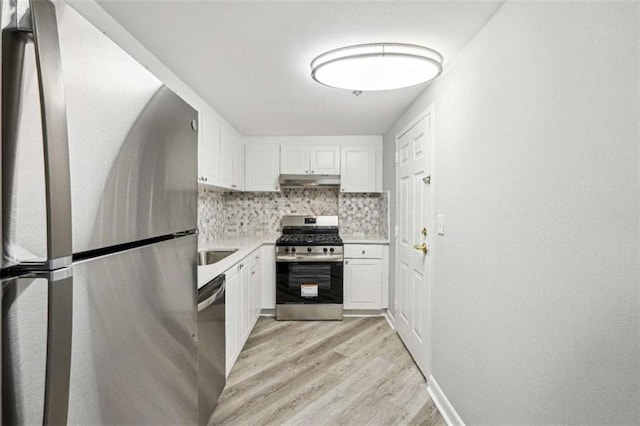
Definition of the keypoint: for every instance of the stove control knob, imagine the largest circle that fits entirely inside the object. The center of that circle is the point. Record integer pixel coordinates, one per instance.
(309, 249)
(331, 249)
(324, 249)
(293, 249)
(286, 249)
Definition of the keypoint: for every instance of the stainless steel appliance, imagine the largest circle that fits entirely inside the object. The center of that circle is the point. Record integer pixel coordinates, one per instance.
(99, 202)
(309, 269)
(211, 346)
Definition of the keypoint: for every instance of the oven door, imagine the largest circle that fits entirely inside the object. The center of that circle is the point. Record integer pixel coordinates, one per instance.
(309, 283)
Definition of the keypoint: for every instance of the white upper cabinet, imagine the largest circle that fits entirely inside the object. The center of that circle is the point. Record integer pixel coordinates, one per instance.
(300, 159)
(231, 159)
(220, 153)
(208, 149)
(262, 167)
(358, 169)
(325, 159)
(237, 166)
(294, 159)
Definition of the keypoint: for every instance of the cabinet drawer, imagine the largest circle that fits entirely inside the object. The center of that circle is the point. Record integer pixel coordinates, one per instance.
(362, 251)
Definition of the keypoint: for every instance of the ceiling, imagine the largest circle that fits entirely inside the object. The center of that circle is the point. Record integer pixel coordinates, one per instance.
(250, 60)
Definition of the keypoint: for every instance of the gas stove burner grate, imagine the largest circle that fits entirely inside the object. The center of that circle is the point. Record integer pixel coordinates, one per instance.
(309, 239)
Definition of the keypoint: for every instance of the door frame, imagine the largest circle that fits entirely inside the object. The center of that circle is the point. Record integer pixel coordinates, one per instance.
(429, 111)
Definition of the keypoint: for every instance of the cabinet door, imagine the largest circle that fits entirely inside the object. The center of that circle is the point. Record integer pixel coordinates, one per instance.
(358, 169)
(208, 149)
(294, 159)
(232, 313)
(262, 167)
(362, 284)
(256, 287)
(226, 157)
(325, 159)
(237, 174)
(269, 277)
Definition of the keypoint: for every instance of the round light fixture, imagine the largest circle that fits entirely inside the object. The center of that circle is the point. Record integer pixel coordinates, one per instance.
(376, 66)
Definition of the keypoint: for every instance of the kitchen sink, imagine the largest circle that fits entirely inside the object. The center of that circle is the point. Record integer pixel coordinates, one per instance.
(213, 256)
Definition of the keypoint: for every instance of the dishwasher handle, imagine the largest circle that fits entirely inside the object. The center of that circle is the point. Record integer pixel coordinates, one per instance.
(211, 292)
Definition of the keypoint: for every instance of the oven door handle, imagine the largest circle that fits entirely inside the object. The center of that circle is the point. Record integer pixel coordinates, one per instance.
(309, 259)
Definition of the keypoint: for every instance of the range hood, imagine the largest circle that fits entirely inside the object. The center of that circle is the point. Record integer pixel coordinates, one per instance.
(309, 181)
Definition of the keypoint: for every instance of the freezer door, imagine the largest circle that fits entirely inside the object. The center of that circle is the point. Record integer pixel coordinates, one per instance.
(36, 348)
(132, 148)
(134, 347)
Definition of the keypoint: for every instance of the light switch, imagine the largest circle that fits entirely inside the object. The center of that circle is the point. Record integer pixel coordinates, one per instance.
(440, 224)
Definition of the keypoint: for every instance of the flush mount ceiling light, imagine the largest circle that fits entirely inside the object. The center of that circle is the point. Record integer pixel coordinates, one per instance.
(376, 66)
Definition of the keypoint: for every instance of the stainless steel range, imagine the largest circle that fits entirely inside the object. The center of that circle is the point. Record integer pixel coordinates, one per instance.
(309, 269)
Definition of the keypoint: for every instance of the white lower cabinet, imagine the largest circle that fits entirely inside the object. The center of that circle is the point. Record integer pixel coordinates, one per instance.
(232, 317)
(243, 298)
(268, 276)
(362, 284)
(256, 286)
(365, 280)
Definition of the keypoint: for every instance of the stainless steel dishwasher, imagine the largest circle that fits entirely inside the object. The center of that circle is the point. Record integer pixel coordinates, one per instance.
(211, 346)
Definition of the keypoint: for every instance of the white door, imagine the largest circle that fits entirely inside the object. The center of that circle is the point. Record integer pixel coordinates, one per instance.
(413, 271)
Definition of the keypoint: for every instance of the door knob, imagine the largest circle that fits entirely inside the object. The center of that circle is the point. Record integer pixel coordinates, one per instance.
(424, 232)
(422, 247)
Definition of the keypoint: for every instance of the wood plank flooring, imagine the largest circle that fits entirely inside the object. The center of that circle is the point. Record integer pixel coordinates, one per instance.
(350, 372)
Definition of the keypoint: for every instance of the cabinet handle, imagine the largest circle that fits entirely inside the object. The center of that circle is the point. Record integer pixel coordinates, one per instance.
(277, 188)
(205, 179)
(362, 251)
(233, 185)
(346, 262)
(312, 172)
(306, 171)
(342, 189)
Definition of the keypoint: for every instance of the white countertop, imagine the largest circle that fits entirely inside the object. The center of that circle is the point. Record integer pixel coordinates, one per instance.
(245, 246)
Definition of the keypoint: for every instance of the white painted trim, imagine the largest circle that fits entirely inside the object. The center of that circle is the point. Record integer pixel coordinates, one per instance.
(449, 414)
(390, 319)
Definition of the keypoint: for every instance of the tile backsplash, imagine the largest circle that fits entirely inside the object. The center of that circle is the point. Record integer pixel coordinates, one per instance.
(233, 214)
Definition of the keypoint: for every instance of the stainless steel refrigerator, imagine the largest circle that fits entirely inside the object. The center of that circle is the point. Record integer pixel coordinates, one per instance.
(99, 205)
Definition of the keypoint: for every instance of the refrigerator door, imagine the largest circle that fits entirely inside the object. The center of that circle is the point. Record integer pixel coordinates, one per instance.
(36, 348)
(132, 148)
(33, 109)
(134, 347)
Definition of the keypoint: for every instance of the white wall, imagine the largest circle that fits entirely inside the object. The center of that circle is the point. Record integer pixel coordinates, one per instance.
(535, 299)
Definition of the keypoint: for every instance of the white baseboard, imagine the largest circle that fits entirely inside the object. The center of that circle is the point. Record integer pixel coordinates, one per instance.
(444, 406)
(390, 319)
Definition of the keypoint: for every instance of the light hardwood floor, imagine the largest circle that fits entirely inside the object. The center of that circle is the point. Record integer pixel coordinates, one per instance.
(350, 372)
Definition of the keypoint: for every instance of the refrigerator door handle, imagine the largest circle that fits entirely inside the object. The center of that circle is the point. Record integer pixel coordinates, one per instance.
(36, 338)
(59, 331)
(55, 136)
